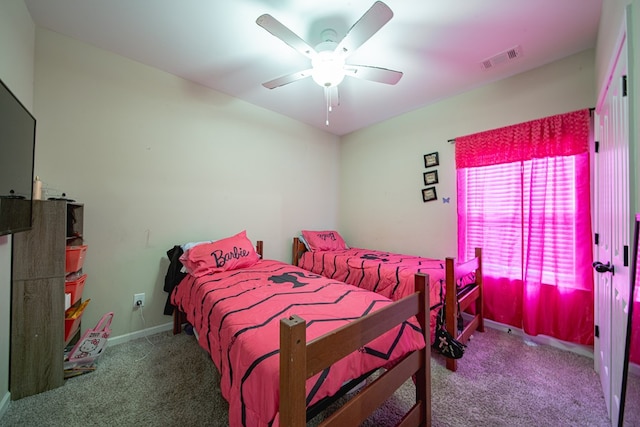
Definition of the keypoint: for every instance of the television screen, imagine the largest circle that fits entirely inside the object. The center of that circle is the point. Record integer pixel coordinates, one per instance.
(17, 145)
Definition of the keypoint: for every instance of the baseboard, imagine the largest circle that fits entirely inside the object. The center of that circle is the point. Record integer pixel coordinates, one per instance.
(121, 339)
(634, 369)
(4, 403)
(582, 350)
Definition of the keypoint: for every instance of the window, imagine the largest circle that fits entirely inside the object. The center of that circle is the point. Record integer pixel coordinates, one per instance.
(524, 198)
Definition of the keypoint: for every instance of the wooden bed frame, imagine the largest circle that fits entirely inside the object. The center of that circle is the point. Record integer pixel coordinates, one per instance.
(300, 360)
(455, 301)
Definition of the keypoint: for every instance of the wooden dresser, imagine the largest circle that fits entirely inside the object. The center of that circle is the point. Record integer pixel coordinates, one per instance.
(38, 299)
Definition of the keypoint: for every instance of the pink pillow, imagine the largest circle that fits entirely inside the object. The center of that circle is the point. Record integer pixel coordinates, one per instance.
(227, 254)
(329, 240)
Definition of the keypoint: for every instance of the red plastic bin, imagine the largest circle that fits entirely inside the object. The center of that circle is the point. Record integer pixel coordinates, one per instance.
(75, 287)
(75, 258)
(70, 327)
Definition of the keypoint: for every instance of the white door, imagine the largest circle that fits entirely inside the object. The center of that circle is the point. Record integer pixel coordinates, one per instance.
(612, 219)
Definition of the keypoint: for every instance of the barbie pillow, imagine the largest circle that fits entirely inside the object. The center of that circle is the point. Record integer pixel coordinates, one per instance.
(227, 254)
(329, 240)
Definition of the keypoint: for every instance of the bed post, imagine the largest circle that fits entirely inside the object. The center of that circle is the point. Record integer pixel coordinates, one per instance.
(423, 376)
(297, 249)
(480, 299)
(178, 320)
(293, 372)
(294, 251)
(451, 304)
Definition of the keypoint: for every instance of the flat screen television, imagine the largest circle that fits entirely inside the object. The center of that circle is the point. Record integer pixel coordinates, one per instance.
(17, 148)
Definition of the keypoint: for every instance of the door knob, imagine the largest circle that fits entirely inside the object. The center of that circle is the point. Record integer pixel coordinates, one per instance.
(603, 268)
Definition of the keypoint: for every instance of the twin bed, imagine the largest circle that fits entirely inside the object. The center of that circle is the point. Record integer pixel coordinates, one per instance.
(456, 284)
(288, 342)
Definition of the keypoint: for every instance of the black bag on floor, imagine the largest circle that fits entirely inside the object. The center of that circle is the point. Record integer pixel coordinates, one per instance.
(445, 343)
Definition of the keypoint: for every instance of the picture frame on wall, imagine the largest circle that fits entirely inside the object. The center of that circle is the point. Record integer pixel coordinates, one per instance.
(431, 160)
(430, 177)
(429, 194)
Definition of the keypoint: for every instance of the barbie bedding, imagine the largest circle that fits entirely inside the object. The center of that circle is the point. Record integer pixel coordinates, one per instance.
(388, 274)
(237, 314)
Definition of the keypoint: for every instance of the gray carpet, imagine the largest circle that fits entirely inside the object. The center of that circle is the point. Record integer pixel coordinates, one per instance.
(168, 380)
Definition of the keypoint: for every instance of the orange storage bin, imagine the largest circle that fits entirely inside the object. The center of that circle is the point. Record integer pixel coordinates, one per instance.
(75, 287)
(72, 319)
(75, 258)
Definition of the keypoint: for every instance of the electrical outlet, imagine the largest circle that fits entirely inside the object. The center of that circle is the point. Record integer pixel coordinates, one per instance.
(138, 300)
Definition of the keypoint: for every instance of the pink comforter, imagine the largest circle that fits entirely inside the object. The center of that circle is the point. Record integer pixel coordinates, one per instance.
(388, 274)
(237, 315)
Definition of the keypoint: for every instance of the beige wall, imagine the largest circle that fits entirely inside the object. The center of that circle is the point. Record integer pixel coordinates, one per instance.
(17, 35)
(159, 161)
(381, 167)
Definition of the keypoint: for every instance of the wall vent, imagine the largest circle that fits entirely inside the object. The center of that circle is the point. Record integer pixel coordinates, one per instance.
(501, 58)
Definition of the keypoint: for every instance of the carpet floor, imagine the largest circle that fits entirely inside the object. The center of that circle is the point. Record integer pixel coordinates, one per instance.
(166, 380)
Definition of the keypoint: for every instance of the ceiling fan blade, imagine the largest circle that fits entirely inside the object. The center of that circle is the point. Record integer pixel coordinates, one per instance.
(276, 28)
(372, 20)
(375, 74)
(289, 78)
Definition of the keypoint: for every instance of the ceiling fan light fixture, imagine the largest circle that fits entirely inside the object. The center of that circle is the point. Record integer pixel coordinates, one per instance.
(328, 69)
(329, 56)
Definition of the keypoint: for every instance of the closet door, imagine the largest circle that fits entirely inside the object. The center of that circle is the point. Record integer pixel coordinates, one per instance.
(612, 219)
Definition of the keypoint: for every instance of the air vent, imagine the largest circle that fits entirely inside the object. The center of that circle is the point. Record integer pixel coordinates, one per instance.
(501, 58)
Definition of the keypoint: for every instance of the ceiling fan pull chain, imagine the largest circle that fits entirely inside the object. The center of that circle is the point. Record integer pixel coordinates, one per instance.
(327, 97)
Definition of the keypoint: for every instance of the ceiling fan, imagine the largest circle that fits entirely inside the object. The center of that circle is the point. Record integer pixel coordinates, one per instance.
(328, 58)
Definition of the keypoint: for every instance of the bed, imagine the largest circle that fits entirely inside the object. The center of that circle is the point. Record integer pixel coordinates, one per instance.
(458, 285)
(288, 342)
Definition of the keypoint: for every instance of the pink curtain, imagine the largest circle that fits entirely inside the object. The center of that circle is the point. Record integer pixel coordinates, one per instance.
(524, 197)
(634, 351)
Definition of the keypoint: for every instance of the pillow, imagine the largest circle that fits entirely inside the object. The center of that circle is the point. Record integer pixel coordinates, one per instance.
(328, 240)
(226, 254)
(186, 246)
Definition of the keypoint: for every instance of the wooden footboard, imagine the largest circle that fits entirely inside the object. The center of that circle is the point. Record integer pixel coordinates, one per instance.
(456, 303)
(300, 360)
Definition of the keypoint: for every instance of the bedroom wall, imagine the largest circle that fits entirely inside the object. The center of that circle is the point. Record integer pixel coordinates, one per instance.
(381, 166)
(159, 161)
(17, 39)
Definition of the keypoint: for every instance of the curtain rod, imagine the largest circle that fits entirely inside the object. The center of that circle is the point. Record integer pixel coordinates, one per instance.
(453, 140)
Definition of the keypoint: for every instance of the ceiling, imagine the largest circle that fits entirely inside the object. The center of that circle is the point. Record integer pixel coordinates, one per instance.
(439, 45)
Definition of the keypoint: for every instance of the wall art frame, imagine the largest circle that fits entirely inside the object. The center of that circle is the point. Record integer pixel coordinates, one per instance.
(430, 177)
(429, 194)
(431, 159)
